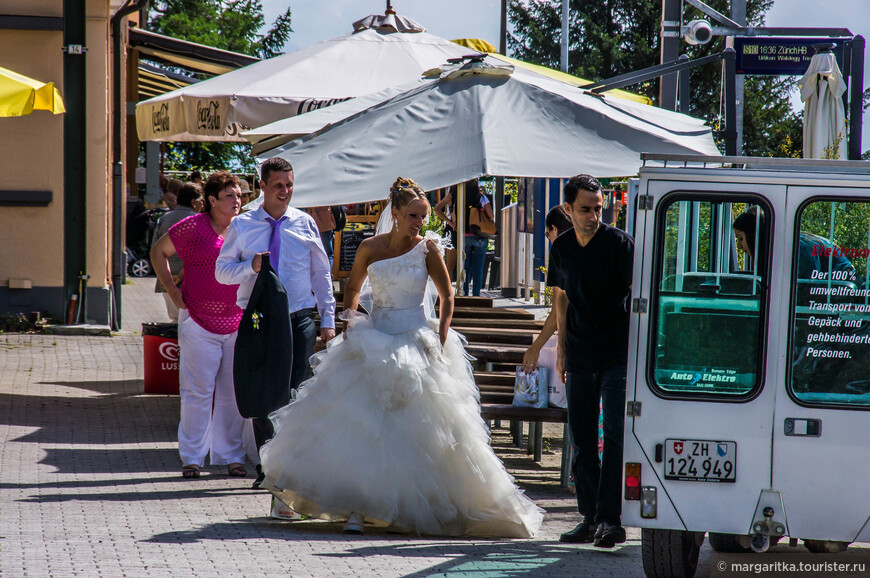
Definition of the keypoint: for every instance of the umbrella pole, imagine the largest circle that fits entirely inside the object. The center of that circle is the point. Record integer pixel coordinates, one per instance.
(460, 235)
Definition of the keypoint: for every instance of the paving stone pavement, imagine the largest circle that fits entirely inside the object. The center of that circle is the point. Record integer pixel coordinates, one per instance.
(90, 486)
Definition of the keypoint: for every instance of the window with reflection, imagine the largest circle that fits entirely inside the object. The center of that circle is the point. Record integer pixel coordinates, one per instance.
(710, 296)
(830, 319)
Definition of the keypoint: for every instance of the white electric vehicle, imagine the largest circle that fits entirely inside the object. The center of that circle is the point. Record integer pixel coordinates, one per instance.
(748, 387)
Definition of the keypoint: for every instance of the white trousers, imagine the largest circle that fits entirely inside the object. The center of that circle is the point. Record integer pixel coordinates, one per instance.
(210, 419)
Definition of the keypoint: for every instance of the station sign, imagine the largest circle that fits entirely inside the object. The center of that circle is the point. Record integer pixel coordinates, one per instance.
(781, 56)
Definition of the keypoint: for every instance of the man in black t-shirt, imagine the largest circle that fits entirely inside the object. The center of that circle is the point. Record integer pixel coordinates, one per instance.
(590, 271)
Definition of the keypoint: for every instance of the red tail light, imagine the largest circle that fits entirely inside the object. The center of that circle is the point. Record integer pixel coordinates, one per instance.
(632, 481)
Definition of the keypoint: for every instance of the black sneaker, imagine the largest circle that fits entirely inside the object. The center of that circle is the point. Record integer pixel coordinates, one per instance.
(608, 535)
(584, 533)
(261, 477)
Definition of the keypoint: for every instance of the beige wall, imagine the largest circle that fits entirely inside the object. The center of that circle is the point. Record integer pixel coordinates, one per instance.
(31, 158)
(31, 150)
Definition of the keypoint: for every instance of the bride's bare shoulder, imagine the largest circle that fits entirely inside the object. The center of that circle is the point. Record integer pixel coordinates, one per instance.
(374, 244)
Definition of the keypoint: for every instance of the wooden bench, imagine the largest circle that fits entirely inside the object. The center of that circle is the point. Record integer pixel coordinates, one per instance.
(496, 397)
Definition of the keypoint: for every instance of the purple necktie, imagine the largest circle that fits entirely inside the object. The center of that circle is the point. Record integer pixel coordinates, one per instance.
(275, 241)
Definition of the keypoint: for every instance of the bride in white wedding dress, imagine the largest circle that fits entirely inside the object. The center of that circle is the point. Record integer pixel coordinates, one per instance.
(389, 426)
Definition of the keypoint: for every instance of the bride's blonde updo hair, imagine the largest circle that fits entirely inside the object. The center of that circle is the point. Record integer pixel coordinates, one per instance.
(404, 191)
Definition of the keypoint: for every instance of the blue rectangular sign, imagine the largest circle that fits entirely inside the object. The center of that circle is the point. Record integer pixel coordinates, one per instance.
(781, 56)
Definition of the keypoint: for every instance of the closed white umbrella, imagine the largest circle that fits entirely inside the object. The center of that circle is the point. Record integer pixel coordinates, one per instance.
(479, 119)
(383, 51)
(822, 89)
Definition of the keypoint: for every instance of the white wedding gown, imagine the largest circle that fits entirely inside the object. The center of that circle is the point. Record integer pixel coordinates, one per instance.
(389, 426)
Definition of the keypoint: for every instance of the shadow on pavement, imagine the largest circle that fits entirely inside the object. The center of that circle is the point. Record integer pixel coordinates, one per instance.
(121, 416)
(191, 493)
(505, 558)
(460, 556)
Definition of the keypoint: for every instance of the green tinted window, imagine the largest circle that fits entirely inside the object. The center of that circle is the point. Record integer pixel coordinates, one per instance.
(831, 304)
(708, 302)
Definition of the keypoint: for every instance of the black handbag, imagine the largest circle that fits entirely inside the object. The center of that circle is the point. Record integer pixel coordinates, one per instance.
(263, 355)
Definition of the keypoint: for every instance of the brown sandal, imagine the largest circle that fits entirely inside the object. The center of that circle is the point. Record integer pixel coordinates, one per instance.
(190, 472)
(237, 470)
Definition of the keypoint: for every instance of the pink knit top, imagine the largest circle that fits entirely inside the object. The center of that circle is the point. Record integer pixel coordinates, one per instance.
(211, 304)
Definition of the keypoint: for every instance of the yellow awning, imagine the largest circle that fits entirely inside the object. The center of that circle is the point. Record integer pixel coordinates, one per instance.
(484, 46)
(20, 95)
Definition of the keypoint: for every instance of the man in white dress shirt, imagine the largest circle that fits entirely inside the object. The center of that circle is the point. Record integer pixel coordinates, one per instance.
(302, 267)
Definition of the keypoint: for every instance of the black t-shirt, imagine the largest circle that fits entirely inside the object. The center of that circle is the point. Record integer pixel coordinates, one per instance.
(597, 281)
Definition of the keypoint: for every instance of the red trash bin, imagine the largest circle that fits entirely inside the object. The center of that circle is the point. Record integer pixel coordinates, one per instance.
(161, 357)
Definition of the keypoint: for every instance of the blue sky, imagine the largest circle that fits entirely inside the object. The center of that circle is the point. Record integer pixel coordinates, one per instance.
(318, 20)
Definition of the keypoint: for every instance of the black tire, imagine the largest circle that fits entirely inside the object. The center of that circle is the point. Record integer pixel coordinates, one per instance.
(825, 547)
(140, 268)
(670, 553)
(727, 544)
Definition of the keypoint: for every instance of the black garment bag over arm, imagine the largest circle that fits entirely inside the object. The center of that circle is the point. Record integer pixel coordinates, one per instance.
(264, 348)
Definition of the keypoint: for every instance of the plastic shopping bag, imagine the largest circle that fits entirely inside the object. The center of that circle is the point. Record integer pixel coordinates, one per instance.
(556, 385)
(530, 389)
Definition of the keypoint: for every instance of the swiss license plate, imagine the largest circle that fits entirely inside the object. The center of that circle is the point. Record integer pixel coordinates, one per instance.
(700, 461)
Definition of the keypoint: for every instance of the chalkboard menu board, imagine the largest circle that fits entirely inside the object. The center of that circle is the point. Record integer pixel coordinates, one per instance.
(350, 240)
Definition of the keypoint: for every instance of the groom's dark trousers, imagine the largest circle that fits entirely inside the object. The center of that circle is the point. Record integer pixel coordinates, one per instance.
(304, 336)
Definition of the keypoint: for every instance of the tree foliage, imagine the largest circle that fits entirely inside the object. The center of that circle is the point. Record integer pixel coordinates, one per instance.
(229, 25)
(612, 37)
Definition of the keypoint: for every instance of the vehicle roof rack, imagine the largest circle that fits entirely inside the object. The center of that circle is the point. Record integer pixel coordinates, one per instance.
(750, 162)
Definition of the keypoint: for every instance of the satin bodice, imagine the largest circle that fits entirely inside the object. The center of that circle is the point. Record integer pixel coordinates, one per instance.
(399, 289)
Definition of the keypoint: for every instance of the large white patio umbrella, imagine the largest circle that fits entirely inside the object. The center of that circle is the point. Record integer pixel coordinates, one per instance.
(275, 134)
(382, 51)
(822, 89)
(481, 118)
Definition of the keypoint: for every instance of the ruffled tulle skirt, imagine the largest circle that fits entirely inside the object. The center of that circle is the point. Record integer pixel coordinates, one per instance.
(390, 427)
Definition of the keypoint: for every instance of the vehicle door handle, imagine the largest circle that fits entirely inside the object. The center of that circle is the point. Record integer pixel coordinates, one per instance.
(803, 427)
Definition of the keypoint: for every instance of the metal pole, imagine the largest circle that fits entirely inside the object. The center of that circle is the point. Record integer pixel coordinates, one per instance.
(565, 12)
(502, 43)
(499, 203)
(546, 211)
(730, 135)
(119, 256)
(670, 41)
(529, 239)
(856, 96)
(75, 144)
(685, 88)
(460, 235)
(738, 14)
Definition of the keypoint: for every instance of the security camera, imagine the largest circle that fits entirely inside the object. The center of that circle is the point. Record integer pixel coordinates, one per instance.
(698, 32)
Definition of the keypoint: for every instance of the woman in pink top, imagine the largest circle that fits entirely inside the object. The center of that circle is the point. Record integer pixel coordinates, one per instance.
(208, 322)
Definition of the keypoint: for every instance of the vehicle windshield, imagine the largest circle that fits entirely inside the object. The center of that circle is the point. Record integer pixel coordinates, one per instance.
(710, 297)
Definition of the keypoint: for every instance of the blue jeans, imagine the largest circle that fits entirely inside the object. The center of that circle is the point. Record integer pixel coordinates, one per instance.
(598, 483)
(475, 255)
(328, 240)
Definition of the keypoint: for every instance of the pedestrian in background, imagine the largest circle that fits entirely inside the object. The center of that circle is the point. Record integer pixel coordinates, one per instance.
(479, 214)
(446, 211)
(329, 220)
(556, 223)
(590, 272)
(208, 323)
(189, 196)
